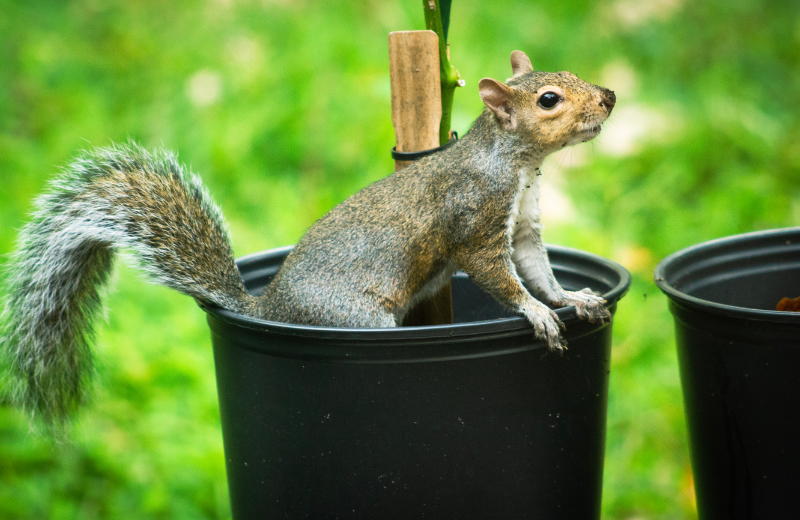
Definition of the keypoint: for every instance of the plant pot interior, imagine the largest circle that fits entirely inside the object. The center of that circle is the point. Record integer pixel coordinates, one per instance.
(750, 271)
(574, 270)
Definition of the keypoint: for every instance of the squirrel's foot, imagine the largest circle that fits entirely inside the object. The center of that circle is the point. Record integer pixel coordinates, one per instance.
(589, 305)
(546, 325)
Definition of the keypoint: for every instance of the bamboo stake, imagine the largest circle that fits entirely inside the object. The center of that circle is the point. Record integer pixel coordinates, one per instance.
(416, 115)
(416, 90)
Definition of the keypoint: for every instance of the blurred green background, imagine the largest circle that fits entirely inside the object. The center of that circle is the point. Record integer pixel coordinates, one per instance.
(283, 107)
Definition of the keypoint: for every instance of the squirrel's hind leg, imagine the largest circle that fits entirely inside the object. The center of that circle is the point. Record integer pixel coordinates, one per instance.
(310, 305)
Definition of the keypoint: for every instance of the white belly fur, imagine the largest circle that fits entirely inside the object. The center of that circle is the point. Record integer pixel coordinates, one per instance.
(524, 232)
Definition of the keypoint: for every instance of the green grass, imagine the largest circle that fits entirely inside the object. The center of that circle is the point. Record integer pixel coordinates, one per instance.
(283, 108)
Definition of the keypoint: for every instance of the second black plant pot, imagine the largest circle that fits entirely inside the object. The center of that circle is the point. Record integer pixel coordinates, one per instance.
(740, 371)
(471, 420)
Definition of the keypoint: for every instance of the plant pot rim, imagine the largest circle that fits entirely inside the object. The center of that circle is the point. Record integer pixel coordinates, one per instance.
(613, 273)
(766, 250)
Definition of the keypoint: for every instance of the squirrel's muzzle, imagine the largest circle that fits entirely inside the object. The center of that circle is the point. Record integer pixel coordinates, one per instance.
(608, 99)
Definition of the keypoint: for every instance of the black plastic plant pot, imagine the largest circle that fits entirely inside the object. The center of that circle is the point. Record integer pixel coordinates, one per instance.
(740, 371)
(471, 420)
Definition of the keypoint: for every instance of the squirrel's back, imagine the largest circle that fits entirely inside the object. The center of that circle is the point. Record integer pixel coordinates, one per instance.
(370, 258)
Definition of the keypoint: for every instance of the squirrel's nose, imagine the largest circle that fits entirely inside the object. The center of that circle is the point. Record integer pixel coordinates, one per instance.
(609, 99)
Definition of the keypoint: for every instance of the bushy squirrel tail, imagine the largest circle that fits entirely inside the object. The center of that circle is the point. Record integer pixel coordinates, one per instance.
(110, 198)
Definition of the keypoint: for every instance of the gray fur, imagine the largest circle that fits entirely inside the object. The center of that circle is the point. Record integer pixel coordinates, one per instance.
(64, 256)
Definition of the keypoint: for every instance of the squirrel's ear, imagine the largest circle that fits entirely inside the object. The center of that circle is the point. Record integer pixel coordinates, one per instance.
(520, 63)
(497, 98)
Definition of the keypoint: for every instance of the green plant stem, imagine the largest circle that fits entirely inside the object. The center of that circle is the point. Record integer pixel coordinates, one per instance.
(449, 75)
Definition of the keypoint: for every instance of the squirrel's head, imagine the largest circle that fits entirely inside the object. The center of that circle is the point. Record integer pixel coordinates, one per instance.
(552, 110)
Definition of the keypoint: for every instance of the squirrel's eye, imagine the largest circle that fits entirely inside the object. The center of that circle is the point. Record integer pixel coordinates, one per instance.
(549, 99)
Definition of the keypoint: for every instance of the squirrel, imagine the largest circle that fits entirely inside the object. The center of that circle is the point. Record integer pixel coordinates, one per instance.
(472, 206)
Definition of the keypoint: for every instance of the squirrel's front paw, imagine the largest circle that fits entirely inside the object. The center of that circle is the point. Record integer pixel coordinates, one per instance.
(589, 305)
(546, 325)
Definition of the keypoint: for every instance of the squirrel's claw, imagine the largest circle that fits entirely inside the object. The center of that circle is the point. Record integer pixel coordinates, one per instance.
(547, 326)
(589, 305)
